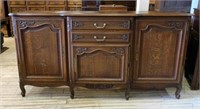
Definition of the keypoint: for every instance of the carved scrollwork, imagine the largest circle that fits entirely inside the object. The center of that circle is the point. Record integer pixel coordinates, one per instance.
(81, 50)
(26, 23)
(75, 37)
(99, 86)
(118, 50)
(125, 25)
(176, 24)
(124, 37)
(76, 24)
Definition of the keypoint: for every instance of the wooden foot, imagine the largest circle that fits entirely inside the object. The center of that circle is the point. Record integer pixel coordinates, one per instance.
(22, 89)
(127, 92)
(127, 95)
(177, 93)
(72, 92)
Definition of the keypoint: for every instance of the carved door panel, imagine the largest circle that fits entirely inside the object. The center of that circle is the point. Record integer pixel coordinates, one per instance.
(100, 63)
(42, 49)
(159, 49)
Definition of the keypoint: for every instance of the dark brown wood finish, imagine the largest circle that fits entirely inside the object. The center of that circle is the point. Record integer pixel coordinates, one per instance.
(101, 50)
(159, 51)
(41, 51)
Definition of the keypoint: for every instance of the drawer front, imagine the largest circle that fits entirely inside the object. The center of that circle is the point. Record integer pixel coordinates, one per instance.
(36, 2)
(17, 2)
(75, 9)
(58, 2)
(17, 9)
(74, 2)
(36, 8)
(100, 23)
(100, 36)
(56, 8)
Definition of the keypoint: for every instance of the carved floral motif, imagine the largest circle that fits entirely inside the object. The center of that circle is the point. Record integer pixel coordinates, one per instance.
(125, 25)
(124, 37)
(76, 24)
(75, 37)
(118, 50)
(26, 23)
(99, 86)
(176, 24)
(81, 50)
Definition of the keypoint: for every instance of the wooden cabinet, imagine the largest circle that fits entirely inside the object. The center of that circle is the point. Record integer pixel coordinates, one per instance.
(101, 50)
(41, 51)
(99, 56)
(159, 51)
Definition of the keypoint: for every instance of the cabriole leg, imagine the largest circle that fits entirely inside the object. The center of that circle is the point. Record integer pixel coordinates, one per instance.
(178, 91)
(23, 91)
(127, 92)
(72, 92)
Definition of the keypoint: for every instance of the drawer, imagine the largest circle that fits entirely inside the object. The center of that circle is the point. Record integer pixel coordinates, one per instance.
(36, 8)
(74, 2)
(17, 9)
(75, 9)
(39, 2)
(17, 2)
(102, 36)
(74, 6)
(58, 2)
(56, 8)
(100, 22)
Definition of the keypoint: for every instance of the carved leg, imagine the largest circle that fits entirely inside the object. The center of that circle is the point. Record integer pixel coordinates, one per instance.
(178, 91)
(127, 92)
(22, 89)
(72, 92)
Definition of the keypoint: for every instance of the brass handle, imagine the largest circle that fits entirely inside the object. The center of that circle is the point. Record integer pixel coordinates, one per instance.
(100, 40)
(100, 27)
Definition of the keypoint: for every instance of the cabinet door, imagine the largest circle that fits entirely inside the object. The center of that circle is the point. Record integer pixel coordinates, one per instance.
(41, 49)
(100, 64)
(159, 50)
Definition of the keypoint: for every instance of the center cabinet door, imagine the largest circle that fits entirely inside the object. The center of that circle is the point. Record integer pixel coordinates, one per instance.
(98, 63)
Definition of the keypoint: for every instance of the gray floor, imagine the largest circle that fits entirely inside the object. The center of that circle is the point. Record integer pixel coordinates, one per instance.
(58, 98)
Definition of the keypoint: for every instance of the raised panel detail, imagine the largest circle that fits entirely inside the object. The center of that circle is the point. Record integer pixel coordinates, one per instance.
(100, 63)
(158, 49)
(38, 45)
(42, 48)
(158, 52)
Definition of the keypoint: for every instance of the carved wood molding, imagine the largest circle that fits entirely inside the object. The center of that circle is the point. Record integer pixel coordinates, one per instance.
(26, 23)
(169, 25)
(118, 50)
(124, 37)
(75, 37)
(125, 25)
(76, 24)
(99, 86)
(81, 50)
(176, 24)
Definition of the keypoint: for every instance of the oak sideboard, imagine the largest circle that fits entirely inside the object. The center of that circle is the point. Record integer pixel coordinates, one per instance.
(101, 50)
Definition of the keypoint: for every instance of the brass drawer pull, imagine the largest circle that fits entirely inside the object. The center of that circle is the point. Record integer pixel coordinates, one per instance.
(100, 40)
(100, 27)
